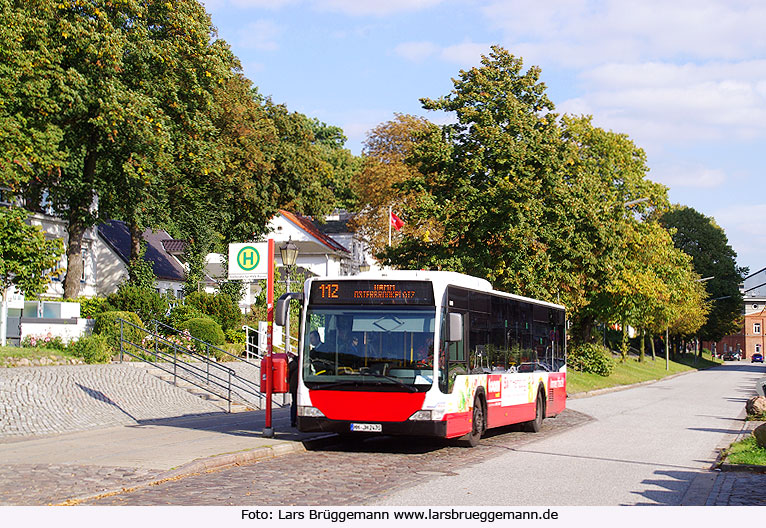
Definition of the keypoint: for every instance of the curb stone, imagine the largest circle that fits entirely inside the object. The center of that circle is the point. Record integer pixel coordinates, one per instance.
(213, 463)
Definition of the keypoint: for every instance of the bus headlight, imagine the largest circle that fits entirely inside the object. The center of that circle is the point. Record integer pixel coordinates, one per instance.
(312, 412)
(421, 416)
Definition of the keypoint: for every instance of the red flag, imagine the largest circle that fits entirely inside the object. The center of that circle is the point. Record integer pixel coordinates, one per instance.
(396, 222)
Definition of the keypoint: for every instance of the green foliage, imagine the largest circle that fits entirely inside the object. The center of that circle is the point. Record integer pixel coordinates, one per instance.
(183, 312)
(592, 358)
(706, 243)
(235, 336)
(140, 271)
(90, 307)
(147, 304)
(217, 306)
(746, 451)
(92, 349)
(25, 254)
(107, 325)
(204, 329)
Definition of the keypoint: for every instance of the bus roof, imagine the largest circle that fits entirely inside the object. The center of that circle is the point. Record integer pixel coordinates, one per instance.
(439, 278)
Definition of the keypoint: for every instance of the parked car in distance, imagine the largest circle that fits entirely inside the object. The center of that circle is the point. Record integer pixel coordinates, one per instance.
(756, 358)
(731, 356)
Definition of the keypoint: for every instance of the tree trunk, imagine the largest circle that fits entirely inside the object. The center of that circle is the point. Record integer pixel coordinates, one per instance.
(642, 354)
(136, 237)
(651, 342)
(76, 230)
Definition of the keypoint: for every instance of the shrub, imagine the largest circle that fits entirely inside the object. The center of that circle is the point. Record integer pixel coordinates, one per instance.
(234, 336)
(181, 313)
(92, 349)
(592, 358)
(89, 308)
(108, 326)
(204, 329)
(147, 304)
(219, 307)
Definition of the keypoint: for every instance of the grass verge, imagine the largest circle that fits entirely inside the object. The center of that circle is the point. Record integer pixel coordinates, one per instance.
(633, 371)
(32, 353)
(746, 451)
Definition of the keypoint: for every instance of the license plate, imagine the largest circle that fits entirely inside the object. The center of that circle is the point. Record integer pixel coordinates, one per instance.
(367, 427)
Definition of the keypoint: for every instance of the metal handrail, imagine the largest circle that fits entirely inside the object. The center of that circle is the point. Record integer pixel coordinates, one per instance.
(222, 377)
(205, 343)
(249, 329)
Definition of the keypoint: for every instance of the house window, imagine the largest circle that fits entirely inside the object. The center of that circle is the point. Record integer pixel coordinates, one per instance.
(757, 348)
(179, 294)
(84, 265)
(756, 328)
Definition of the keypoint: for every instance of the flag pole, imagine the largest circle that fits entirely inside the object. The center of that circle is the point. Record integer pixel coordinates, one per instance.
(389, 224)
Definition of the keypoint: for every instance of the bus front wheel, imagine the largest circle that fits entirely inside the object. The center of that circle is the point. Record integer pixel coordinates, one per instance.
(477, 426)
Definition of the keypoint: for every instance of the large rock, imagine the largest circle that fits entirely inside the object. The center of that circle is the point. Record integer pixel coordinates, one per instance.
(756, 405)
(760, 435)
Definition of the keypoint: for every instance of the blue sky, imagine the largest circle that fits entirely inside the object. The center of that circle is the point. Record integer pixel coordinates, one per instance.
(685, 80)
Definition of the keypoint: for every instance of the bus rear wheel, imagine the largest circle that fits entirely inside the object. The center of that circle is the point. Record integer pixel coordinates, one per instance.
(533, 426)
(477, 427)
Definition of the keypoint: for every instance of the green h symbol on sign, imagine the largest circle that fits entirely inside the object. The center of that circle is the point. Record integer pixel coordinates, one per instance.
(248, 258)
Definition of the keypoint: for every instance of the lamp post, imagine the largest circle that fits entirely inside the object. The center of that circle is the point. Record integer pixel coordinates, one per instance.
(289, 254)
(364, 266)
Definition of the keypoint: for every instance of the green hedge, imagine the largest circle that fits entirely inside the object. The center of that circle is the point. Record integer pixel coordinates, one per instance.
(183, 312)
(204, 329)
(92, 349)
(107, 325)
(219, 307)
(147, 304)
(592, 358)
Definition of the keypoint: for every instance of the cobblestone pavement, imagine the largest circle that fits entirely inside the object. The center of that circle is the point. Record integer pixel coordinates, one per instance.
(738, 488)
(41, 484)
(49, 400)
(337, 475)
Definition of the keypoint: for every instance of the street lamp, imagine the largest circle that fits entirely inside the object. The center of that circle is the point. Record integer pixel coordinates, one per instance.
(364, 266)
(289, 254)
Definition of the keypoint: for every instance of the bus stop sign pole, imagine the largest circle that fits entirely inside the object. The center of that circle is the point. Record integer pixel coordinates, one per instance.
(267, 374)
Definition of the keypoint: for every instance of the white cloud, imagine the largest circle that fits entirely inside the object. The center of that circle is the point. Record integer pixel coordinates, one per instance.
(587, 32)
(416, 51)
(659, 101)
(373, 7)
(260, 35)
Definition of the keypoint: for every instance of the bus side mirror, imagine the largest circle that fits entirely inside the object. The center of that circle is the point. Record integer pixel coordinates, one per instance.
(282, 309)
(455, 328)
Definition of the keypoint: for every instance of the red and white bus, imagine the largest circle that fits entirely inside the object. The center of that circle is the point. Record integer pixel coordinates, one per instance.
(425, 353)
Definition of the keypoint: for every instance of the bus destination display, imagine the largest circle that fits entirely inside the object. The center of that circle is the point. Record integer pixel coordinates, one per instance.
(372, 292)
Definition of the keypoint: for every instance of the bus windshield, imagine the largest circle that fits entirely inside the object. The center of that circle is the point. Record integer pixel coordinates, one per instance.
(372, 348)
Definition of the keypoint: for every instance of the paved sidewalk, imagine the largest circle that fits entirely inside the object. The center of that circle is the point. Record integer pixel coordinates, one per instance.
(68, 432)
(71, 466)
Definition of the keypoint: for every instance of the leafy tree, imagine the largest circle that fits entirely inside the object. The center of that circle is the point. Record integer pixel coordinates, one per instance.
(25, 258)
(131, 84)
(378, 185)
(483, 177)
(340, 167)
(30, 143)
(25, 254)
(712, 256)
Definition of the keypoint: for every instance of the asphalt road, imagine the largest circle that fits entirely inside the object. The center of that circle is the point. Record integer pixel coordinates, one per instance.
(647, 445)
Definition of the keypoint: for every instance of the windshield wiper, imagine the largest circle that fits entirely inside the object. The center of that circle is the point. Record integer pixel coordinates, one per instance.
(410, 388)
